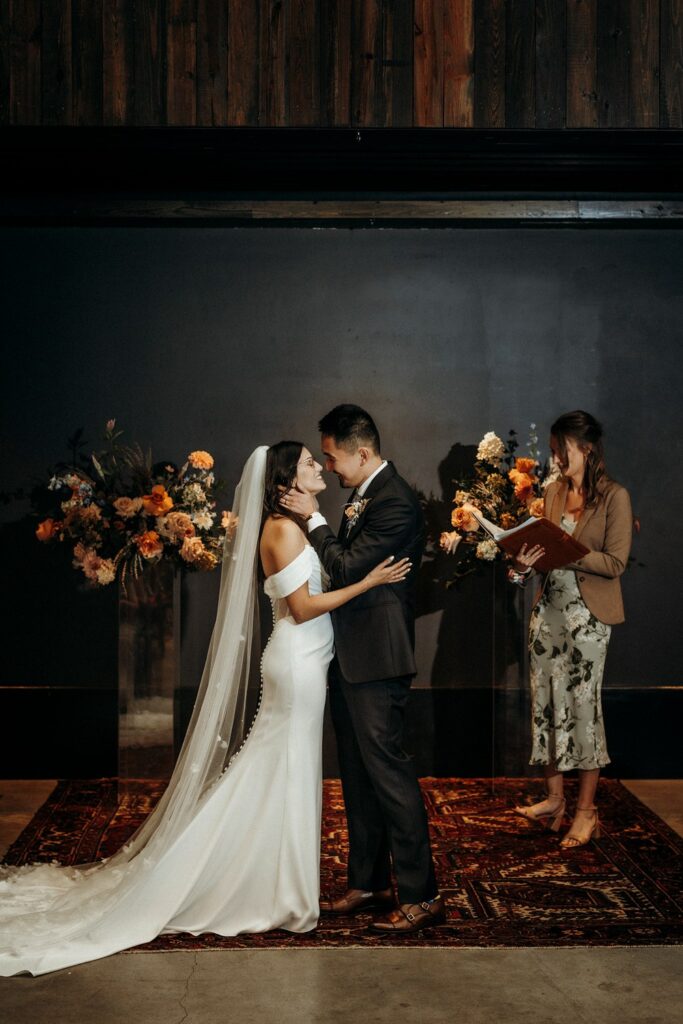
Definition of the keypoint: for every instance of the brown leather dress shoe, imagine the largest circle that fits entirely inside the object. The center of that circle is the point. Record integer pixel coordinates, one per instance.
(411, 917)
(355, 900)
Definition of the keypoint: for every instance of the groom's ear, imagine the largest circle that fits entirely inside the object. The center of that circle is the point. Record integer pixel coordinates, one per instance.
(365, 454)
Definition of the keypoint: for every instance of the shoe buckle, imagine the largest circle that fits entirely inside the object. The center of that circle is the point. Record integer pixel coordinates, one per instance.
(411, 917)
(425, 906)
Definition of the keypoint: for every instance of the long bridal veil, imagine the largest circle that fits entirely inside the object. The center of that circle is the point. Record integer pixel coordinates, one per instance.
(53, 916)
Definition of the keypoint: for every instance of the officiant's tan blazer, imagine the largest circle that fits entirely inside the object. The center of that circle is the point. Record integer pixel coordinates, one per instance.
(606, 530)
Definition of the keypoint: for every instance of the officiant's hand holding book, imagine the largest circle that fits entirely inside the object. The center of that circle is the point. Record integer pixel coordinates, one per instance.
(559, 547)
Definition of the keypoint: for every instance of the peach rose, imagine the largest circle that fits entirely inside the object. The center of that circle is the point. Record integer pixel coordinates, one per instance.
(158, 503)
(208, 561)
(448, 542)
(200, 460)
(127, 507)
(149, 544)
(192, 550)
(461, 519)
(536, 507)
(507, 521)
(176, 525)
(229, 522)
(48, 529)
(194, 553)
(525, 465)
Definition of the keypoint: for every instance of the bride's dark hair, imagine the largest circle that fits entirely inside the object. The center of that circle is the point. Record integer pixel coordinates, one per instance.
(281, 466)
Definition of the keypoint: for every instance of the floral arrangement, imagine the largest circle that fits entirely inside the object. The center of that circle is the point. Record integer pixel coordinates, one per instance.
(122, 512)
(506, 488)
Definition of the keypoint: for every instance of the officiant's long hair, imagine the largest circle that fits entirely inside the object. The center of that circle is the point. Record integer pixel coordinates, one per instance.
(585, 430)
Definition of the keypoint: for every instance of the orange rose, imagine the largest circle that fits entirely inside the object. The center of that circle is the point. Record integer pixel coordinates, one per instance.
(525, 465)
(200, 460)
(48, 529)
(461, 519)
(507, 521)
(149, 544)
(536, 508)
(158, 503)
(524, 485)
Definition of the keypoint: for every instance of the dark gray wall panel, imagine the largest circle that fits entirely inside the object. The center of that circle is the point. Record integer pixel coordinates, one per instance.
(228, 338)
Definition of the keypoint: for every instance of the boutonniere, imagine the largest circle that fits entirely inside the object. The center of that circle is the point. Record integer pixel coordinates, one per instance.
(354, 510)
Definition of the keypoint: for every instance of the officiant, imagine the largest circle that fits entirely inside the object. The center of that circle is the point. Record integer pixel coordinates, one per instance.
(571, 624)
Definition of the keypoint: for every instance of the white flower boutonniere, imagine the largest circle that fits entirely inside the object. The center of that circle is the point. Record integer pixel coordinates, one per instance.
(354, 510)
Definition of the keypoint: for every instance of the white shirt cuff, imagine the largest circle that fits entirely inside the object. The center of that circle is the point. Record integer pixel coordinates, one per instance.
(316, 520)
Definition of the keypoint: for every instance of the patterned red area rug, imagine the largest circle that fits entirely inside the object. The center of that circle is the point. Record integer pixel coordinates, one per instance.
(505, 881)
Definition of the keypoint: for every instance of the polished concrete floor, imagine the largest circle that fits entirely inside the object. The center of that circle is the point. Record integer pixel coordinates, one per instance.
(468, 986)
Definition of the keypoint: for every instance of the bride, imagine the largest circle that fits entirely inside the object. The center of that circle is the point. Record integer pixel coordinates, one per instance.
(234, 844)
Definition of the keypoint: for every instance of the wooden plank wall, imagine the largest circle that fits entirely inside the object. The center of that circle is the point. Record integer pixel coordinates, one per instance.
(413, 63)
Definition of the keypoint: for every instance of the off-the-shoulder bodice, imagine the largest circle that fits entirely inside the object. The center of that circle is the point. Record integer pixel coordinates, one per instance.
(305, 568)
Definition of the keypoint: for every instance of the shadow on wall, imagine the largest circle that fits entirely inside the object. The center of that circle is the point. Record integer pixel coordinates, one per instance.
(477, 642)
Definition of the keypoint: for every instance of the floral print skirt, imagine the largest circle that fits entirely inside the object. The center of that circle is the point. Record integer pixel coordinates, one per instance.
(568, 646)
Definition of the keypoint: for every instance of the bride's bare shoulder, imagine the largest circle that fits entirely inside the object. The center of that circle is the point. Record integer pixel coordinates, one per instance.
(280, 526)
(281, 541)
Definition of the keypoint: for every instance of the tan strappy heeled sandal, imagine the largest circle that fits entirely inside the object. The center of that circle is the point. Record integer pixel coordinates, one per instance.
(551, 819)
(572, 842)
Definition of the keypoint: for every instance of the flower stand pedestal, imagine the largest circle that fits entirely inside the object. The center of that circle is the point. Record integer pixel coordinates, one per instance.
(148, 676)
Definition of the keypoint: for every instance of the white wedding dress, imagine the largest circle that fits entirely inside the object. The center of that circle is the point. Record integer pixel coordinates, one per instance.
(248, 858)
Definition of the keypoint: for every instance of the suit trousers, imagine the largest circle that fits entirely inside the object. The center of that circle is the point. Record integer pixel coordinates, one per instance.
(385, 811)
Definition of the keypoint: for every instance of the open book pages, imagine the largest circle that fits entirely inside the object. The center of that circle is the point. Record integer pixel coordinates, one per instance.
(495, 531)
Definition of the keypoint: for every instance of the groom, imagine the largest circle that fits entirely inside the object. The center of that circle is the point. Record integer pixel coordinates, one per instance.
(370, 677)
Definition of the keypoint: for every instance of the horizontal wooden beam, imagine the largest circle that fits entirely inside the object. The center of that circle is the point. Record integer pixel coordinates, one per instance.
(436, 213)
(338, 163)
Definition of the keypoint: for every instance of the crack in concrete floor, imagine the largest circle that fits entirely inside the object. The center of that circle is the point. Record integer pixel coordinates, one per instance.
(186, 992)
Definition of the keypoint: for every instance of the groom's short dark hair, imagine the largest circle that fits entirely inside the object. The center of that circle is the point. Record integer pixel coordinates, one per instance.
(351, 427)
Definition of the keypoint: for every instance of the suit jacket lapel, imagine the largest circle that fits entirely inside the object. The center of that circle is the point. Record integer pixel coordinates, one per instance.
(341, 532)
(558, 503)
(584, 519)
(375, 487)
(381, 480)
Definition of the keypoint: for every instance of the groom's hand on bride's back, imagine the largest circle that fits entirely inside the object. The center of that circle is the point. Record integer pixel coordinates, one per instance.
(388, 571)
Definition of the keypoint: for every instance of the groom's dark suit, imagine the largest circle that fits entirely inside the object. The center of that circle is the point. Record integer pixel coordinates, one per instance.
(369, 685)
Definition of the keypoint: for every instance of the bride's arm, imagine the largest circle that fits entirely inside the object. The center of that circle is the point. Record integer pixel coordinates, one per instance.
(283, 546)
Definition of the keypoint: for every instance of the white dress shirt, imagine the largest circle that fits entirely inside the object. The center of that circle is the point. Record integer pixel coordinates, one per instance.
(318, 519)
